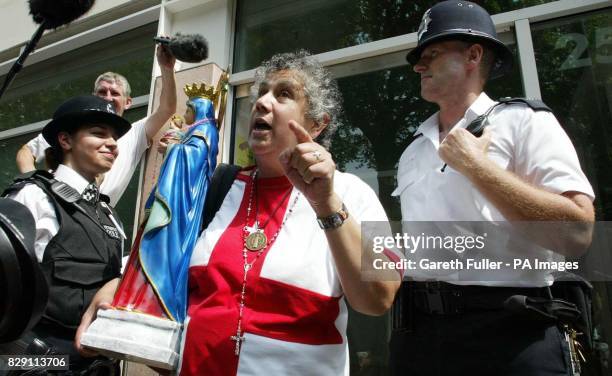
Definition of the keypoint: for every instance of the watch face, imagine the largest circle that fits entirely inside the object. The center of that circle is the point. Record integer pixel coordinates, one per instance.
(332, 221)
(336, 220)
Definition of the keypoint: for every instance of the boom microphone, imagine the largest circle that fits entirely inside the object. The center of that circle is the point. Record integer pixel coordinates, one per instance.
(190, 48)
(50, 14)
(55, 13)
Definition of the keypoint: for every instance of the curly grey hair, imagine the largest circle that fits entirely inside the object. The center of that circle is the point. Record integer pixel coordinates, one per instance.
(320, 89)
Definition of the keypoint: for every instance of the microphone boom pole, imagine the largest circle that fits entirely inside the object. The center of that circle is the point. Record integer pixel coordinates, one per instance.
(27, 50)
(50, 14)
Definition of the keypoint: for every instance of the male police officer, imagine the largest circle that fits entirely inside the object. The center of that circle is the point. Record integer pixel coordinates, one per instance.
(522, 168)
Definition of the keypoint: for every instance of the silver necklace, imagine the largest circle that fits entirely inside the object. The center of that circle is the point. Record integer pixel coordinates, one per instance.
(239, 337)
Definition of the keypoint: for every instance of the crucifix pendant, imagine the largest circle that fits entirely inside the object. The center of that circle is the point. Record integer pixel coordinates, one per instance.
(238, 338)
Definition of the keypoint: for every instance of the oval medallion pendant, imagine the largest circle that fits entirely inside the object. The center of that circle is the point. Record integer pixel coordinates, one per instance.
(256, 241)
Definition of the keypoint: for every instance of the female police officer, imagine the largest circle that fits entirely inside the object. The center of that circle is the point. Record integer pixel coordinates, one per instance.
(78, 238)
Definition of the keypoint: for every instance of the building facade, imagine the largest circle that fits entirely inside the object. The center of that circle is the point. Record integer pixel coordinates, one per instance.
(563, 54)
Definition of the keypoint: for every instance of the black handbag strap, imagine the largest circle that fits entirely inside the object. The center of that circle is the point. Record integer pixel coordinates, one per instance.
(220, 184)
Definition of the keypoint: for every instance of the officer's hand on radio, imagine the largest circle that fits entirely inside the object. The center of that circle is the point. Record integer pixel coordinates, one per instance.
(463, 151)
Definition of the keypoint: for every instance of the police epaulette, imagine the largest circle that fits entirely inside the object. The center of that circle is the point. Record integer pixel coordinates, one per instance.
(15, 186)
(534, 104)
(21, 180)
(476, 126)
(25, 176)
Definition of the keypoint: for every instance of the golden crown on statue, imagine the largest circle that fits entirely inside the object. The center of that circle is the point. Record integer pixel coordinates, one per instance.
(201, 91)
(217, 95)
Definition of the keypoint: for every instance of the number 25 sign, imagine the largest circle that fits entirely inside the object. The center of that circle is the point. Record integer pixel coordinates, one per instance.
(576, 58)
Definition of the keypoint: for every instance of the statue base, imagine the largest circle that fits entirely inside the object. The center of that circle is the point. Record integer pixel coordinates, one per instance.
(135, 337)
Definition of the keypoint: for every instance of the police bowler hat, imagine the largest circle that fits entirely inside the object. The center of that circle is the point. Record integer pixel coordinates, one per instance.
(83, 110)
(461, 20)
(23, 288)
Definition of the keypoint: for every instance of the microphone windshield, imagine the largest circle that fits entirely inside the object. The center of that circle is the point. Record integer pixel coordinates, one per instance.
(55, 13)
(190, 48)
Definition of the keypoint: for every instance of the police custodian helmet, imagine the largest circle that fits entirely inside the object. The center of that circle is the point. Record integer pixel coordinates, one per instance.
(461, 20)
(81, 110)
(23, 288)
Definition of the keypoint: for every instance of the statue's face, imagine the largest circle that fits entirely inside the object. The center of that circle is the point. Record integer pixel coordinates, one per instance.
(189, 116)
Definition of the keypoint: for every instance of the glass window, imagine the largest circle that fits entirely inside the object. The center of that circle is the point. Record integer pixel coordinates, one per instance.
(266, 27)
(241, 154)
(574, 60)
(40, 88)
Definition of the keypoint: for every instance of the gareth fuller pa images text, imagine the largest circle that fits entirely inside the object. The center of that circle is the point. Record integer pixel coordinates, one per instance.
(410, 245)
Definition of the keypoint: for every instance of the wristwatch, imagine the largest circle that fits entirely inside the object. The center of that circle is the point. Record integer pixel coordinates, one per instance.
(335, 220)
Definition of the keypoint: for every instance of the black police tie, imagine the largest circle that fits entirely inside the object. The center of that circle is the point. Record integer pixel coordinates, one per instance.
(91, 193)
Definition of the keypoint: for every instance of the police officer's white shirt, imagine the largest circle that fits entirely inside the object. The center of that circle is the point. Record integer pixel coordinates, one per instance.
(131, 147)
(41, 207)
(532, 145)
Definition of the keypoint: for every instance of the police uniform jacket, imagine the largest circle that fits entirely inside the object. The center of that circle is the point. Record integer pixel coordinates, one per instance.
(78, 243)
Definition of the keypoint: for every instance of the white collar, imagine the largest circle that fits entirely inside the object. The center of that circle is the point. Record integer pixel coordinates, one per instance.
(479, 107)
(72, 178)
(429, 128)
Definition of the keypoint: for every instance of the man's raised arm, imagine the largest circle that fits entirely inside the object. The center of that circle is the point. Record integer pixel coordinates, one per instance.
(167, 102)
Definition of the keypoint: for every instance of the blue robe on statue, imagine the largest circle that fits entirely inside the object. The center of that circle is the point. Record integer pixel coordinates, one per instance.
(176, 205)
